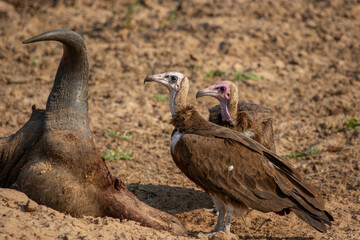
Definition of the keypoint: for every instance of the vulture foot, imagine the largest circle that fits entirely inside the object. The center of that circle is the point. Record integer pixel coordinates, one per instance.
(222, 235)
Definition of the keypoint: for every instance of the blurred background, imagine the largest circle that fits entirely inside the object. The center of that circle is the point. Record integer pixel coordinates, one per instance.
(300, 58)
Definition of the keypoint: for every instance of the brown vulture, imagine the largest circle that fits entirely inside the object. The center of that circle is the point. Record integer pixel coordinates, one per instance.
(249, 118)
(237, 172)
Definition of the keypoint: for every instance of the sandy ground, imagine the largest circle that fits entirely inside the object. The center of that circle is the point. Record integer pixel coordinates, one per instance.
(306, 54)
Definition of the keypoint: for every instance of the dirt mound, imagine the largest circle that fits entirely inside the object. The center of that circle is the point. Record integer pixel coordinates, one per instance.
(304, 54)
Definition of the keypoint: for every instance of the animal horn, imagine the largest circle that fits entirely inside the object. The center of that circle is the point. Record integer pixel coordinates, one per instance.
(67, 104)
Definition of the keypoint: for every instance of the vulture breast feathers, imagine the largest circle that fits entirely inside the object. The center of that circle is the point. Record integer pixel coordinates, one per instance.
(252, 117)
(239, 170)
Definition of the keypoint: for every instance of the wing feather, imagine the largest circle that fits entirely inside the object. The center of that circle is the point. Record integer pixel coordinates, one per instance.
(281, 165)
(250, 116)
(240, 170)
(253, 184)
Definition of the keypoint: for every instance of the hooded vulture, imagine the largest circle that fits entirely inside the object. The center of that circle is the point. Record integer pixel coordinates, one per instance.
(237, 172)
(251, 119)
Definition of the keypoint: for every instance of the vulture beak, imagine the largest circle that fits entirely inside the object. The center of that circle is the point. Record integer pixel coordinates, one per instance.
(209, 91)
(160, 78)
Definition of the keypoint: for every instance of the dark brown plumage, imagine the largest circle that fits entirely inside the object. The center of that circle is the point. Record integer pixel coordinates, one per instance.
(258, 178)
(235, 170)
(253, 120)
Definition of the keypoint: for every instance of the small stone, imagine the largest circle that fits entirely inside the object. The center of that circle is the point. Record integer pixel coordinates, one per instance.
(202, 236)
(279, 63)
(223, 236)
(335, 145)
(149, 3)
(311, 24)
(31, 206)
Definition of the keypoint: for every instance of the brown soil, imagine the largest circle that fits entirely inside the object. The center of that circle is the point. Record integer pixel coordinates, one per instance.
(307, 52)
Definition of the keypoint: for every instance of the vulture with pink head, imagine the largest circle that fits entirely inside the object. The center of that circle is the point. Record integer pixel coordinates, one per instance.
(237, 172)
(249, 118)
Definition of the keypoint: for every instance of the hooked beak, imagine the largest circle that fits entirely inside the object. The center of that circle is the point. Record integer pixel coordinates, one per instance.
(209, 91)
(160, 78)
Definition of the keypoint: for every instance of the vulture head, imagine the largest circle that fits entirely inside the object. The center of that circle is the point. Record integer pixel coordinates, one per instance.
(177, 84)
(227, 93)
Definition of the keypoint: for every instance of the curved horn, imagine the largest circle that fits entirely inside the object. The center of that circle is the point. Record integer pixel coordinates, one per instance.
(67, 105)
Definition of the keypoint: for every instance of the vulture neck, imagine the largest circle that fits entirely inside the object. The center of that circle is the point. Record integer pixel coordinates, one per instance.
(178, 98)
(184, 117)
(188, 120)
(230, 107)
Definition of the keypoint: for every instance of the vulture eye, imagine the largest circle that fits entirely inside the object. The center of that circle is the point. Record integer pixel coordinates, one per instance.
(173, 79)
(222, 89)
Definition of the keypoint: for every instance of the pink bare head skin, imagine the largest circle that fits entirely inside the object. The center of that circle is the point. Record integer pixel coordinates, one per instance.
(222, 92)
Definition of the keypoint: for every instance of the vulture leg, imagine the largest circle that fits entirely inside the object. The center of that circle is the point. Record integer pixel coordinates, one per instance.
(53, 158)
(220, 220)
(228, 222)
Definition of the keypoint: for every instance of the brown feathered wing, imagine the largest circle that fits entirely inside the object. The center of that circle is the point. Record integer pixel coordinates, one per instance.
(258, 178)
(250, 116)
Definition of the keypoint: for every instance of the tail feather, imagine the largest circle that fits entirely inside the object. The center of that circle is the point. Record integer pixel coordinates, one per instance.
(312, 215)
(318, 222)
(308, 207)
